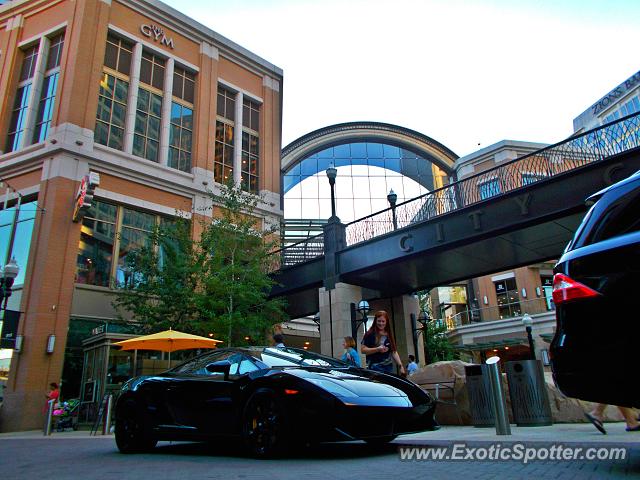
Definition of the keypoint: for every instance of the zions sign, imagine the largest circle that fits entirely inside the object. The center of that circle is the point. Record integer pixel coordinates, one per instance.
(85, 195)
(157, 34)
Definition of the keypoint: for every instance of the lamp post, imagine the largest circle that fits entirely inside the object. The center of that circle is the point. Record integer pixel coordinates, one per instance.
(363, 310)
(424, 320)
(332, 172)
(527, 321)
(392, 198)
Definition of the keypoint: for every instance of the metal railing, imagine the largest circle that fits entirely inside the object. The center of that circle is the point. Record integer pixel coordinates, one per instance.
(505, 311)
(574, 152)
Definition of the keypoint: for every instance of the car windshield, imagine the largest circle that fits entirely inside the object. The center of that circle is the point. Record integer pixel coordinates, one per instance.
(287, 357)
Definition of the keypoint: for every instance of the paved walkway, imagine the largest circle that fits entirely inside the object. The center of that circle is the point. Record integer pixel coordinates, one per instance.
(576, 433)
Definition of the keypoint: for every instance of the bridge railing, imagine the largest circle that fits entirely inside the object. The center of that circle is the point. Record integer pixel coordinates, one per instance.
(298, 252)
(505, 311)
(575, 152)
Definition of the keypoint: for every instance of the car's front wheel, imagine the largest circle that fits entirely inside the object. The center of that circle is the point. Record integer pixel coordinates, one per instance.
(264, 426)
(132, 430)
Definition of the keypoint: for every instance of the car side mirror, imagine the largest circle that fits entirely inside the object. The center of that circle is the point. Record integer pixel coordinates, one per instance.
(221, 366)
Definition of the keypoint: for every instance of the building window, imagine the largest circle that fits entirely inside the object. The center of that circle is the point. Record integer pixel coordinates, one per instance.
(152, 70)
(49, 88)
(18, 121)
(97, 238)
(224, 145)
(181, 129)
(112, 108)
(114, 93)
(508, 298)
(109, 234)
(134, 234)
(529, 178)
(250, 145)
(146, 139)
(547, 289)
(16, 228)
(184, 84)
(118, 54)
(489, 189)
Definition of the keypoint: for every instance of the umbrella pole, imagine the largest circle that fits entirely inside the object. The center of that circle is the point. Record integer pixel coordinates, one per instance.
(169, 358)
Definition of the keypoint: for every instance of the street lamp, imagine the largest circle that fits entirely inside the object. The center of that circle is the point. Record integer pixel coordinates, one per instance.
(363, 310)
(7, 276)
(332, 172)
(527, 321)
(424, 320)
(392, 198)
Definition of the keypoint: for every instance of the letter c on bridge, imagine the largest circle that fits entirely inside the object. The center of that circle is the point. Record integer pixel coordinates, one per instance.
(406, 243)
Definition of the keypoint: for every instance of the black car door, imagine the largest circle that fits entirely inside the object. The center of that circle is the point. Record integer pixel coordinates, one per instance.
(204, 402)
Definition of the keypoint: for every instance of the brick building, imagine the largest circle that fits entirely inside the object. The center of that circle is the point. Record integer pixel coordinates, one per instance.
(139, 103)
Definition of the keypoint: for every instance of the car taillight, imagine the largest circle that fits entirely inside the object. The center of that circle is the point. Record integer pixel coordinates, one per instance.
(566, 289)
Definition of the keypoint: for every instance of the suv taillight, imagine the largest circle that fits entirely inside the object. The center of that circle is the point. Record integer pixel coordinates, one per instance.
(566, 289)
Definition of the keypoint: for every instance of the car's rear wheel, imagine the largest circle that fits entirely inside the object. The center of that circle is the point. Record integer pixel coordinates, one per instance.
(132, 430)
(264, 425)
(376, 441)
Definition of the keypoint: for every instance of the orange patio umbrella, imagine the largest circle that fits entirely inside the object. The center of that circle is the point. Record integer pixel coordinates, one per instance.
(168, 341)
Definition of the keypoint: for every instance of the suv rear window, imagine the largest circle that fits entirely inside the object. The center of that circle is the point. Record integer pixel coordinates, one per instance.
(618, 218)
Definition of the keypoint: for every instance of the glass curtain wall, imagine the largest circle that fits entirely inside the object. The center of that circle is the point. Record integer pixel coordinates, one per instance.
(367, 171)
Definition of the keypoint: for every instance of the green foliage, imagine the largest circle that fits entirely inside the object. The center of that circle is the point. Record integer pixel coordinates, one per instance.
(437, 347)
(215, 284)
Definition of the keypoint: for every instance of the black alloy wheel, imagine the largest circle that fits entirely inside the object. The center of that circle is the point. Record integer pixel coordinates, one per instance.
(132, 431)
(264, 428)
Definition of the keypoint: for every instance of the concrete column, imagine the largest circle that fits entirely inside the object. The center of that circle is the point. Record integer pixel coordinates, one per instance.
(237, 141)
(132, 100)
(403, 307)
(165, 122)
(36, 91)
(335, 317)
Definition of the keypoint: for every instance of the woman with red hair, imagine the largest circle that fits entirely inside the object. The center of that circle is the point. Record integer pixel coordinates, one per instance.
(379, 345)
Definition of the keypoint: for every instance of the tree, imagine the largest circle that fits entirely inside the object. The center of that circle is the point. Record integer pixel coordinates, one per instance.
(217, 283)
(437, 347)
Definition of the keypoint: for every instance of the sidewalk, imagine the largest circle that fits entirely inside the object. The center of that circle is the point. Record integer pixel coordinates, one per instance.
(576, 433)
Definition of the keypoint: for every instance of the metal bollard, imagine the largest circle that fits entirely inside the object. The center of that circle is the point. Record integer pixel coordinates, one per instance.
(107, 418)
(499, 404)
(47, 421)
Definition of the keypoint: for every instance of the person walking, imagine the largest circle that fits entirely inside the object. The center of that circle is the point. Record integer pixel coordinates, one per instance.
(596, 416)
(379, 345)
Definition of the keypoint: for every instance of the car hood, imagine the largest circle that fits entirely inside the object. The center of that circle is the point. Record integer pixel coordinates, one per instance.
(358, 385)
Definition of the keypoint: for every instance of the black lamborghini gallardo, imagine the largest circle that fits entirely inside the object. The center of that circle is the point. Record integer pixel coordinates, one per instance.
(271, 398)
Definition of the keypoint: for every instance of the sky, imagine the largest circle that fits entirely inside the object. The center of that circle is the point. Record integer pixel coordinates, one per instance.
(465, 73)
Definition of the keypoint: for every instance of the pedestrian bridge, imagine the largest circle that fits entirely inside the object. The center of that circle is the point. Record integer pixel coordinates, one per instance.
(521, 212)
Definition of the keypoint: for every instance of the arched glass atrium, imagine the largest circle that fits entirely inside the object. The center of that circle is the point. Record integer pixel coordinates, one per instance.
(367, 171)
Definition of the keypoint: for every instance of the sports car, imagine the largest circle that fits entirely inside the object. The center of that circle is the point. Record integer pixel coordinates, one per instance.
(270, 398)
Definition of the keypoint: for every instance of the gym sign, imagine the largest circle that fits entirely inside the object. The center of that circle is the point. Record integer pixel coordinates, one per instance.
(157, 34)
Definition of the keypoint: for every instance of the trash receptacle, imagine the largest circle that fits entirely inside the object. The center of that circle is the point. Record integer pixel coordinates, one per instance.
(480, 398)
(528, 393)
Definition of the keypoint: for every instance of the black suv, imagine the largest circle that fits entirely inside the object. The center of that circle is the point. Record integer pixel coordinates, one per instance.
(597, 279)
